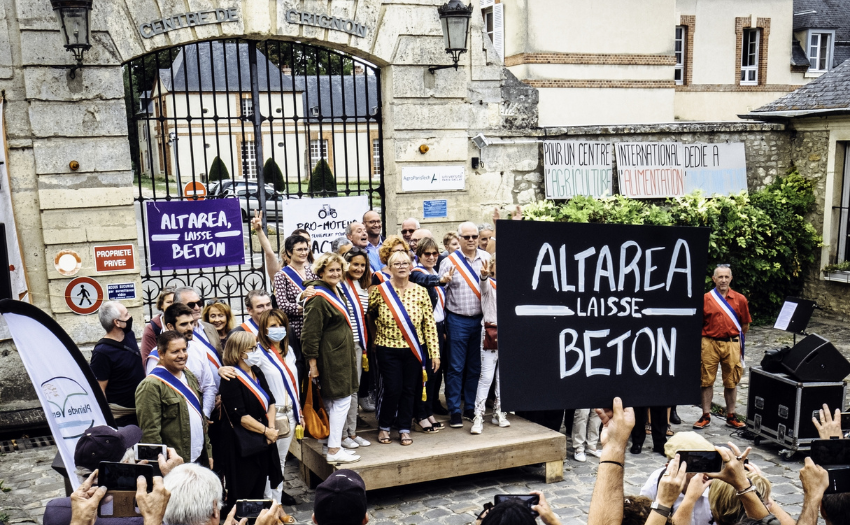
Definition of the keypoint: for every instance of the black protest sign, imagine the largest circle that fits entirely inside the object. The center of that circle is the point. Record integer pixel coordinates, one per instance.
(587, 312)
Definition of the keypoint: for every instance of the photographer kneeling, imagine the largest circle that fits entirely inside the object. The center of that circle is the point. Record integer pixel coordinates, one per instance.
(510, 509)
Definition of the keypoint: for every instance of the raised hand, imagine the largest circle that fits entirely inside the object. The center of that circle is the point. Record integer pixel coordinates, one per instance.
(828, 425)
(447, 277)
(672, 482)
(485, 269)
(166, 465)
(85, 500)
(733, 471)
(257, 222)
(231, 518)
(617, 424)
(152, 504)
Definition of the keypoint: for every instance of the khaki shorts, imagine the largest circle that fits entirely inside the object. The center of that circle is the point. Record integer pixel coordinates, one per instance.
(725, 353)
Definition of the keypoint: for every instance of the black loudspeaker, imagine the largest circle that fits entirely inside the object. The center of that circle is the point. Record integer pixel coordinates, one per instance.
(816, 359)
(5, 273)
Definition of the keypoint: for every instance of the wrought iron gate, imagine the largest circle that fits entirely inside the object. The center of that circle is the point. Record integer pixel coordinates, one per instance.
(251, 120)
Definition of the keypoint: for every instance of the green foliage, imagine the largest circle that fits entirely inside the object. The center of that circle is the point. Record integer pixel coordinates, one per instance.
(840, 267)
(218, 171)
(322, 181)
(273, 175)
(764, 235)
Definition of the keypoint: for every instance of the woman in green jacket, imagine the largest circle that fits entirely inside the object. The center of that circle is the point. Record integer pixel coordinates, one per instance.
(327, 343)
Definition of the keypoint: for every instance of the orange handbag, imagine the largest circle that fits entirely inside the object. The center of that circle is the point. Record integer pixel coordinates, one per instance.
(315, 419)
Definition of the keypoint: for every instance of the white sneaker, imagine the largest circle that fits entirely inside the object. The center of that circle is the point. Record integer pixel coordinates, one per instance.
(349, 443)
(343, 456)
(501, 419)
(597, 452)
(362, 442)
(578, 456)
(477, 425)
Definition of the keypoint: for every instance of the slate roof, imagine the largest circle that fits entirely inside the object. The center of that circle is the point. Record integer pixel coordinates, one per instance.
(798, 56)
(224, 67)
(828, 14)
(829, 91)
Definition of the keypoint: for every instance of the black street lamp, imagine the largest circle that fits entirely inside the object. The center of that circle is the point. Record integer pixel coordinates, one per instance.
(454, 19)
(74, 17)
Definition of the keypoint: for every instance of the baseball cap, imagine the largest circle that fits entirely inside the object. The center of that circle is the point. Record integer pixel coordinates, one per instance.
(686, 441)
(340, 499)
(105, 443)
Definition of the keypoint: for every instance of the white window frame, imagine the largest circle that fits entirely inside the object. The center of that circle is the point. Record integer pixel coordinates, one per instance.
(680, 42)
(249, 160)
(820, 34)
(376, 158)
(495, 14)
(315, 155)
(247, 107)
(753, 52)
(844, 210)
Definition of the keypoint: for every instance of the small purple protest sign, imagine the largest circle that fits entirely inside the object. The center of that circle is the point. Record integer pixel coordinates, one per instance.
(194, 234)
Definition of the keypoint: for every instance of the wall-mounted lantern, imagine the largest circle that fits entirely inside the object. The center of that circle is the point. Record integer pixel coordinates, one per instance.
(74, 18)
(454, 19)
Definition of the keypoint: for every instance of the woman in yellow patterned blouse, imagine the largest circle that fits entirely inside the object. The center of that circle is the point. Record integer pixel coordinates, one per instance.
(406, 335)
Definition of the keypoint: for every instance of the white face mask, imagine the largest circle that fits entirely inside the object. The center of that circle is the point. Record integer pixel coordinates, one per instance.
(276, 333)
(253, 359)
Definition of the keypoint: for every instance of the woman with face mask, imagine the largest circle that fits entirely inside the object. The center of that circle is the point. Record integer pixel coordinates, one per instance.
(275, 358)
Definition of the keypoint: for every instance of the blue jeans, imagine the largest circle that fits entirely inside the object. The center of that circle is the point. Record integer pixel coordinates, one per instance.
(464, 346)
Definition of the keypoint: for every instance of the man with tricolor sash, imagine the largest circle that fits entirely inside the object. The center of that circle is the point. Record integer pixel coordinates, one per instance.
(256, 302)
(168, 403)
(463, 323)
(726, 319)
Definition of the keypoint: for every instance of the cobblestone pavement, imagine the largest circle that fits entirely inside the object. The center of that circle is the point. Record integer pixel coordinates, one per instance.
(455, 501)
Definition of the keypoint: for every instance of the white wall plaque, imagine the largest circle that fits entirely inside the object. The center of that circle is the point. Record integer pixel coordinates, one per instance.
(431, 178)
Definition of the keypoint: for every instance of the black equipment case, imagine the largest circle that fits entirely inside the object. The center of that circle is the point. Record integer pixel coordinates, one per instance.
(780, 409)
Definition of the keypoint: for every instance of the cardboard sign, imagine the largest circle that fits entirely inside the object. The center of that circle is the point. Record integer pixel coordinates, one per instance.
(194, 234)
(587, 312)
(432, 178)
(575, 167)
(83, 295)
(716, 169)
(436, 209)
(121, 291)
(114, 258)
(324, 219)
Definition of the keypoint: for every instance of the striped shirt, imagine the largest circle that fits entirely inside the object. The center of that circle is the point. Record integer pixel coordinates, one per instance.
(460, 299)
(285, 292)
(363, 295)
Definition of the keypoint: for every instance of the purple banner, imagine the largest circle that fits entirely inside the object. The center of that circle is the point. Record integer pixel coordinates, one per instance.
(194, 234)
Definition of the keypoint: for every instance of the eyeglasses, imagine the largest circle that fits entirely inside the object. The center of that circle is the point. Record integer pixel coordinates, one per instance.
(469, 237)
(376, 221)
(407, 231)
(195, 304)
(401, 265)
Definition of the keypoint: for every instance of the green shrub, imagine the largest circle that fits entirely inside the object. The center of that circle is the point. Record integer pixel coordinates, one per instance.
(273, 175)
(322, 181)
(218, 171)
(764, 235)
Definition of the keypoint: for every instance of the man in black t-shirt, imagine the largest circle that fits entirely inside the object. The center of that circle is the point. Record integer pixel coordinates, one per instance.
(117, 362)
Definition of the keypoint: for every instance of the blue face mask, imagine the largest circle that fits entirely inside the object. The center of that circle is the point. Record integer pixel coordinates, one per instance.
(276, 333)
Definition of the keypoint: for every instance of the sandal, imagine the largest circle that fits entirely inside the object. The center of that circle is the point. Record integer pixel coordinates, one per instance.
(436, 424)
(669, 431)
(384, 437)
(431, 429)
(405, 441)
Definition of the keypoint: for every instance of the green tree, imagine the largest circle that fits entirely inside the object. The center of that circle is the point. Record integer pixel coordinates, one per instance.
(218, 171)
(273, 175)
(322, 181)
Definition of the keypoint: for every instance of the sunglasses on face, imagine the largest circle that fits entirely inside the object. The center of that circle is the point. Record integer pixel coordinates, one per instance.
(407, 231)
(469, 237)
(430, 254)
(195, 304)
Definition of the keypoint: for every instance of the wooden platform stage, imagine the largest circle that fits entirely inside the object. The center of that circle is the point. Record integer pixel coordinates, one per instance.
(450, 453)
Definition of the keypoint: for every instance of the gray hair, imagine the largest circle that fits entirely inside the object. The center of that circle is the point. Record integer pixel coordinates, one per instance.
(178, 293)
(195, 494)
(349, 229)
(107, 314)
(485, 226)
(461, 226)
(411, 219)
(338, 243)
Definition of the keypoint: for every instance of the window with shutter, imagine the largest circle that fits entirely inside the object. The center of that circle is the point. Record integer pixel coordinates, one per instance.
(494, 24)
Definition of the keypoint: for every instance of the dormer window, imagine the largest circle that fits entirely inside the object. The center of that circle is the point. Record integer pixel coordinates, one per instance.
(819, 50)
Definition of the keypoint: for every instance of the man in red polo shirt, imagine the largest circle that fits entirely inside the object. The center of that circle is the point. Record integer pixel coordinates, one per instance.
(726, 319)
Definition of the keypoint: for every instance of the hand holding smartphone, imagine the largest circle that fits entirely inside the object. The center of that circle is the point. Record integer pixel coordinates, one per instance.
(120, 482)
(251, 508)
(150, 452)
(529, 500)
(701, 460)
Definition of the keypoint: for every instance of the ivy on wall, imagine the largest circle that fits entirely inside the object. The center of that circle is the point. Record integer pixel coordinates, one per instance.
(764, 236)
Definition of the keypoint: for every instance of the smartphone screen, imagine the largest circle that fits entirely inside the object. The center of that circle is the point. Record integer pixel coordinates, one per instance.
(839, 479)
(122, 476)
(250, 508)
(149, 452)
(831, 451)
(529, 500)
(701, 460)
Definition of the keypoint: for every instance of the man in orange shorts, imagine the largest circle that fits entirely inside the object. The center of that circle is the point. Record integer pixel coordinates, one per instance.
(726, 319)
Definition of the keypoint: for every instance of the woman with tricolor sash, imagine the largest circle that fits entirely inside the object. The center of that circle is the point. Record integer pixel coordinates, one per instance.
(404, 338)
(275, 358)
(327, 342)
(354, 287)
(248, 401)
(392, 244)
(425, 274)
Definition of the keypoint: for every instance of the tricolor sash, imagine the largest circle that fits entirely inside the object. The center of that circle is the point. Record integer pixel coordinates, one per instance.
(492, 282)
(421, 269)
(732, 314)
(441, 295)
(402, 319)
(350, 292)
(254, 387)
(251, 326)
(288, 377)
(153, 355)
(212, 353)
(382, 276)
(293, 277)
(161, 373)
(334, 300)
(466, 271)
